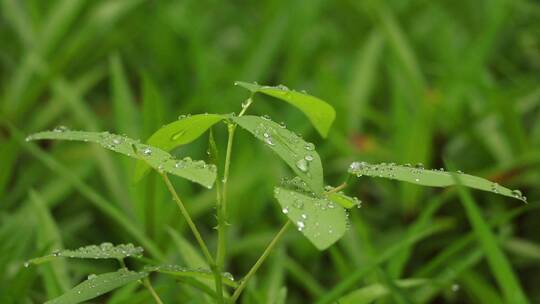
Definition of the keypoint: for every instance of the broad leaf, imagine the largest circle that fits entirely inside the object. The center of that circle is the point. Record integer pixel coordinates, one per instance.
(321, 220)
(432, 178)
(297, 153)
(103, 251)
(196, 171)
(198, 273)
(320, 113)
(97, 285)
(370, 293)
(183, 131)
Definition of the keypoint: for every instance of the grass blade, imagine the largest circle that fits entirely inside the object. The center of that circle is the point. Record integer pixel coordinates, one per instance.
(374, 292)
(500, 266)
(320, 113)
(198, 273)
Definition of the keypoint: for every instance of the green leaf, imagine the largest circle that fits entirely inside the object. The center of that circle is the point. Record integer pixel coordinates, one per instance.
(198, 273)
(95, 286)
(500, 266)
(180, 132)
(125, 112)
(373, 292)
(321, 220)
(103, 251)
(344, 200)
(320, 113)
(196, 171)
(297, 153)
(433, 178)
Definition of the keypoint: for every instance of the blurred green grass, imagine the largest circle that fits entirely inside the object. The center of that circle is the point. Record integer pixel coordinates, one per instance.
(412, 81)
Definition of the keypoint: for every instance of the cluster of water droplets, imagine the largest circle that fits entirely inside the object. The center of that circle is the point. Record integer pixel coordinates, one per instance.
(103, 251)
(171, 268)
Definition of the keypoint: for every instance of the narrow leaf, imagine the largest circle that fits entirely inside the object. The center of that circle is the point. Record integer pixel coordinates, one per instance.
(320, 113)
(98, 285)
(345, 201)
(432, 178)
(297, 153)
(373, 292)
(180, 132)
(196, 171)
(321, 220)
(198, 273)
(102, 251)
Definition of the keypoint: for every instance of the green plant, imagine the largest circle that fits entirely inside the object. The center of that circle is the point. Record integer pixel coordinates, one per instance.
(319, 212)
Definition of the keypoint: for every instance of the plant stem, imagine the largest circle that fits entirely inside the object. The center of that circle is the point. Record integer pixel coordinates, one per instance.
(196, 233)
(148, 285)
(259, 262)
(336, 189)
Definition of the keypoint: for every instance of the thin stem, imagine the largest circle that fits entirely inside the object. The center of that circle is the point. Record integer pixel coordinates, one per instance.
(148, 285)
(259, 262)
(337, 189)
(196, 233)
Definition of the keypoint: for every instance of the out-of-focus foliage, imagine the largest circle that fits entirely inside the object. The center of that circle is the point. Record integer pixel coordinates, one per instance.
(411, 81)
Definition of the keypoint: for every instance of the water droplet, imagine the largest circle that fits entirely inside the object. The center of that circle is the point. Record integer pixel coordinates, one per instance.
(26, 264)
(298, 204)
(417, 179)
(309, 147)
(302, 165)
(91, 276)
(300, 225)
(459, 172)
(282, 125)
(308, 157)
(304, 216)
(517, 194)
(28, 138)
(60, 129)
(147, 151)
(455, 287)
(285, 210)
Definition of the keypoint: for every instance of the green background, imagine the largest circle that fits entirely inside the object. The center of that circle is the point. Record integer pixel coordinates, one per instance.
(412, 81)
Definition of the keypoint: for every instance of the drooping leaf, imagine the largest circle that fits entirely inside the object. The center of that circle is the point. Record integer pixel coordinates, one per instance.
(196, 171)
(432, 178)
(320, 113)
(102, 251)
(199, 273)
(321, 220)
(370, 293)
(97, 285)
(297, 153)
(180, 132)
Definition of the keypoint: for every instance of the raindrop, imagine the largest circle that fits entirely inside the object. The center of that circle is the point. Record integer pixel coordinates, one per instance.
(26, 264)
(60, 129)
(178, 134)
(285, 210)
(455, 287)
(309, 147)
(147, 151)
(298, 204)
(308, 157)
(417, 179)
(282, 125)
(517, 194)
(91, 276)
(300, 225)
(302, 165)
(304, 216)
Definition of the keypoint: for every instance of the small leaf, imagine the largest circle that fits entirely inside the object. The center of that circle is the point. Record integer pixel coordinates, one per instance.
(433, 178)
(344, 200)
(180, 132)
(320, 113)
(374, 292)
(102, 251)
(198, 273)
(195, 171)
(297, 153)
(321, 220)
(98, 285)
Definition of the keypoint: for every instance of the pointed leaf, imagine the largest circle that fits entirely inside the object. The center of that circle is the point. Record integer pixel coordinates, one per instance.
(180, 132)
(432, 178)
(344, 200)
(198, 273)
(95, 286)
(196, 171)
(103, 251)
(322, 221)
(297, 153)
(320, 113)
(373, 292)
